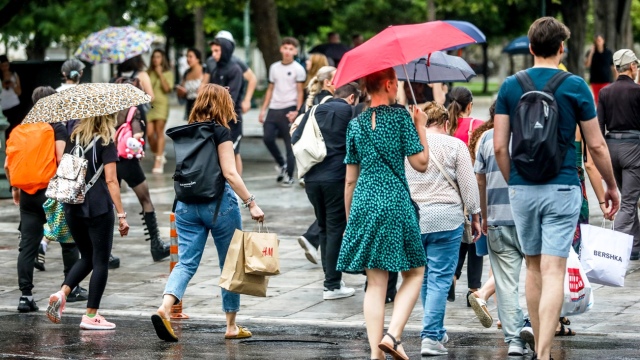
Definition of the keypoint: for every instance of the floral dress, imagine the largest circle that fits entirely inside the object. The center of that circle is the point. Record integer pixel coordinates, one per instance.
(382, 229)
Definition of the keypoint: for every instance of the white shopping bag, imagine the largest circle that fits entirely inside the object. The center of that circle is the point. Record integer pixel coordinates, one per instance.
(578, 294)
(604, 254)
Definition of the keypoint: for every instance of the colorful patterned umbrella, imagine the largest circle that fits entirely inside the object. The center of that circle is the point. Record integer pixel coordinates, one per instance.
(85, 101)
(114, 45)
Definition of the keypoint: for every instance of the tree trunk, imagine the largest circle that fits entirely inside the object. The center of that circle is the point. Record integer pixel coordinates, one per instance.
(574, 14)
(431, 10)
(264, 17)
(612, 21)
(37, 47)
(198, 28)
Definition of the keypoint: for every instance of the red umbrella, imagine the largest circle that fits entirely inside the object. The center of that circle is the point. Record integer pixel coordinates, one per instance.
(398, 45)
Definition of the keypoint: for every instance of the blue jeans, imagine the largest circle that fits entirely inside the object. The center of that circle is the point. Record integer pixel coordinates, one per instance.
(545, 217)
(506, 261)
(193, 223)
(441, 249)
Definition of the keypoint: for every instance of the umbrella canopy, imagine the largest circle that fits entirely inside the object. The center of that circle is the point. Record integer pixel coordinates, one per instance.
(398, 45)
(469, 29)
(86, 100)
(438, 67)
(518, 45)
(114, 45)
(334, 51)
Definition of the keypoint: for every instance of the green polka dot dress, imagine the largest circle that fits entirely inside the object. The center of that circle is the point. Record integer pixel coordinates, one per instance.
(382, 229)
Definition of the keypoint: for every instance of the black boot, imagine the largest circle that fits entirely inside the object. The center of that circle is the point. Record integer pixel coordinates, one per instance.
(159, 249)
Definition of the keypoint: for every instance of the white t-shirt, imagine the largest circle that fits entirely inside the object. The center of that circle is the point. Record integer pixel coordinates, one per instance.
(65, 87)
(285, 79)
(8, 97)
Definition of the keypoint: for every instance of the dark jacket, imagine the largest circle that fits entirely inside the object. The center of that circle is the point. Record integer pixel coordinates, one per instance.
(619, 106)
(333, 119)
(229, 73)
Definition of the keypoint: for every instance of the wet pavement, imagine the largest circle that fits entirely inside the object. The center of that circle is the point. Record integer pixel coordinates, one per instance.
(294, 309)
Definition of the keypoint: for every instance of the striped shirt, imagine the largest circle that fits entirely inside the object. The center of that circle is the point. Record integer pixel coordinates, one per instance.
(498, 206)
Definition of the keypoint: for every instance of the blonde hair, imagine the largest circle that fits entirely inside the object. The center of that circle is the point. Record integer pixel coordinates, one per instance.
(436, 114)
(213, 103)
(317, 61)
(103, 126)
(316, 84)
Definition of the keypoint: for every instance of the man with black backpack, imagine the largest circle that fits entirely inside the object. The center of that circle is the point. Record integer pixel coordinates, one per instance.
(619, 115)
(538, 110)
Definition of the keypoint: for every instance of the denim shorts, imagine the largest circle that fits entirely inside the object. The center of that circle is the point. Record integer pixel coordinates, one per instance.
(545, 217)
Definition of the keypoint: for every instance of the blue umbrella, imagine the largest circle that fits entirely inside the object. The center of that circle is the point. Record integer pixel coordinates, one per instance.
(519, 45)
(469, 29)
(436, 68)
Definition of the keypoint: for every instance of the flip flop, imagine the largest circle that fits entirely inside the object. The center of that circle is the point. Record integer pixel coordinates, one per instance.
(565, 331)
(242, 334)
(163, 328)
(393, 351)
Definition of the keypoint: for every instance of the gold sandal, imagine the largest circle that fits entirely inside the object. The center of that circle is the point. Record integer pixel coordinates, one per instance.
(242, 334)
(163, 328)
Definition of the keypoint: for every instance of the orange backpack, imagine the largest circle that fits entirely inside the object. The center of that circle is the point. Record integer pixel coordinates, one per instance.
(31, 156)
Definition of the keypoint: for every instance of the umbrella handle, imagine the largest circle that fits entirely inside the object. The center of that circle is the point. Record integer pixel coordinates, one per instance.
(406, 74)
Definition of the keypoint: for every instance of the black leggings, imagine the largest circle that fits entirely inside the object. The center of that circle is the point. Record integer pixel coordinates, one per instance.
(94, 237)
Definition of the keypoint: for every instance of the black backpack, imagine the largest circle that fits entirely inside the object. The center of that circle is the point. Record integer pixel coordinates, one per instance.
(198, 176)
(537, 149)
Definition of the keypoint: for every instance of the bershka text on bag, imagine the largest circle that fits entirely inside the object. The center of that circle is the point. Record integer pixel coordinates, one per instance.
(607, 255)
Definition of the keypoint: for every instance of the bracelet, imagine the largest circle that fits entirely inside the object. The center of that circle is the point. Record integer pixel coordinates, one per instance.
(122, 216)
(248, 202)
(602, 202)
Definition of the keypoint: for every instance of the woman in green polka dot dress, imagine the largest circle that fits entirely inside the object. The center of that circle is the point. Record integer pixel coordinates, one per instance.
(382, 232)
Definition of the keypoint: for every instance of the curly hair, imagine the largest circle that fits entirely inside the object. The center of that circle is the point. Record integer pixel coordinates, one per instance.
(477, 133)
(213, 103)
(436, 114)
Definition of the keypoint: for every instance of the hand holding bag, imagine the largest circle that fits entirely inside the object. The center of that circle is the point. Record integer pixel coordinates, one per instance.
(604, 254)
(578, 294)
(234, 278)
(261, 256)
(467, 235)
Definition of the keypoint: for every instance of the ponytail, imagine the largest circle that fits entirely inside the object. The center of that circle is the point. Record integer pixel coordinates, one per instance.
(461, 97)
(317, 82)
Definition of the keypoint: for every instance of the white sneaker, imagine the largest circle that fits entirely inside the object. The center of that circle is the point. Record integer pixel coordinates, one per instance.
(516, 350)
(445, 339)
(309, 251)
(343, 292)
(433, 348)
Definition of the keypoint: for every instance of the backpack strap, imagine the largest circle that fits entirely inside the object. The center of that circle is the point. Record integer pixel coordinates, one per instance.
(131, 114)
(556, 80)
(525, 81)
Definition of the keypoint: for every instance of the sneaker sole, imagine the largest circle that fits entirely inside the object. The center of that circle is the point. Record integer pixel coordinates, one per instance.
(433, 352)
(335, 297)
(53, 310)
(529, 339)
(308, 254)
(84, 326)
(485, 319)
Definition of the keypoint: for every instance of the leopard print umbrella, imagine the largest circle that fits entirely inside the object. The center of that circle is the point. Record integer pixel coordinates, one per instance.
(85, 101)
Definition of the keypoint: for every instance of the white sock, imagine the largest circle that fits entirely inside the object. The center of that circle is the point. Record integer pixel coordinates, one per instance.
(44, 245)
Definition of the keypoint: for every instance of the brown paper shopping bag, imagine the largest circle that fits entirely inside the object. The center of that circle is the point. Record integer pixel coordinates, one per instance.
(234, 278)
(261, 256)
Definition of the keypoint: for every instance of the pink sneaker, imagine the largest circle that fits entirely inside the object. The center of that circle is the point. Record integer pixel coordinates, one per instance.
(56, 306)
(96, 323)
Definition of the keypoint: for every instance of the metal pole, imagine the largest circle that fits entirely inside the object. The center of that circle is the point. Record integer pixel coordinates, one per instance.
(406, 74)
(247, 34)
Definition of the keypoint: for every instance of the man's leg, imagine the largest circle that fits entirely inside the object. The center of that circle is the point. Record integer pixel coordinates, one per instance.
(270, 134)
(335, 224)
(532, 290)
(312, 235)
(316, 197)
(628, 171)
(32, 220)
(283, 125)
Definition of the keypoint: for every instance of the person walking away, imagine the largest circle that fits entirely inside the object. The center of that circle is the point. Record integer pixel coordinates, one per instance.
(325, 183)
(546, 190)
(599, 60)
(32, 217)
(250, 79)
(133, 71)
(161, 78)
(505, 252)
(228, 74)
(91, 223)
(382, 233)
(461, 127)
(71, 73)
(441, 193)
(11, 91)
(283, 97)
(191, 80)
(618, 118)
(213, 109)
(130, 171)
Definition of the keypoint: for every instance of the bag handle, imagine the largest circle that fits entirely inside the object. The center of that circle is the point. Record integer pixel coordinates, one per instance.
(131, 114)
(470, 128)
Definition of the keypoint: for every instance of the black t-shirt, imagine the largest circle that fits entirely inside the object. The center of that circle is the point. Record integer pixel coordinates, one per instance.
(221, 134)
(59, 132)
(98, 200)
(600, 70)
